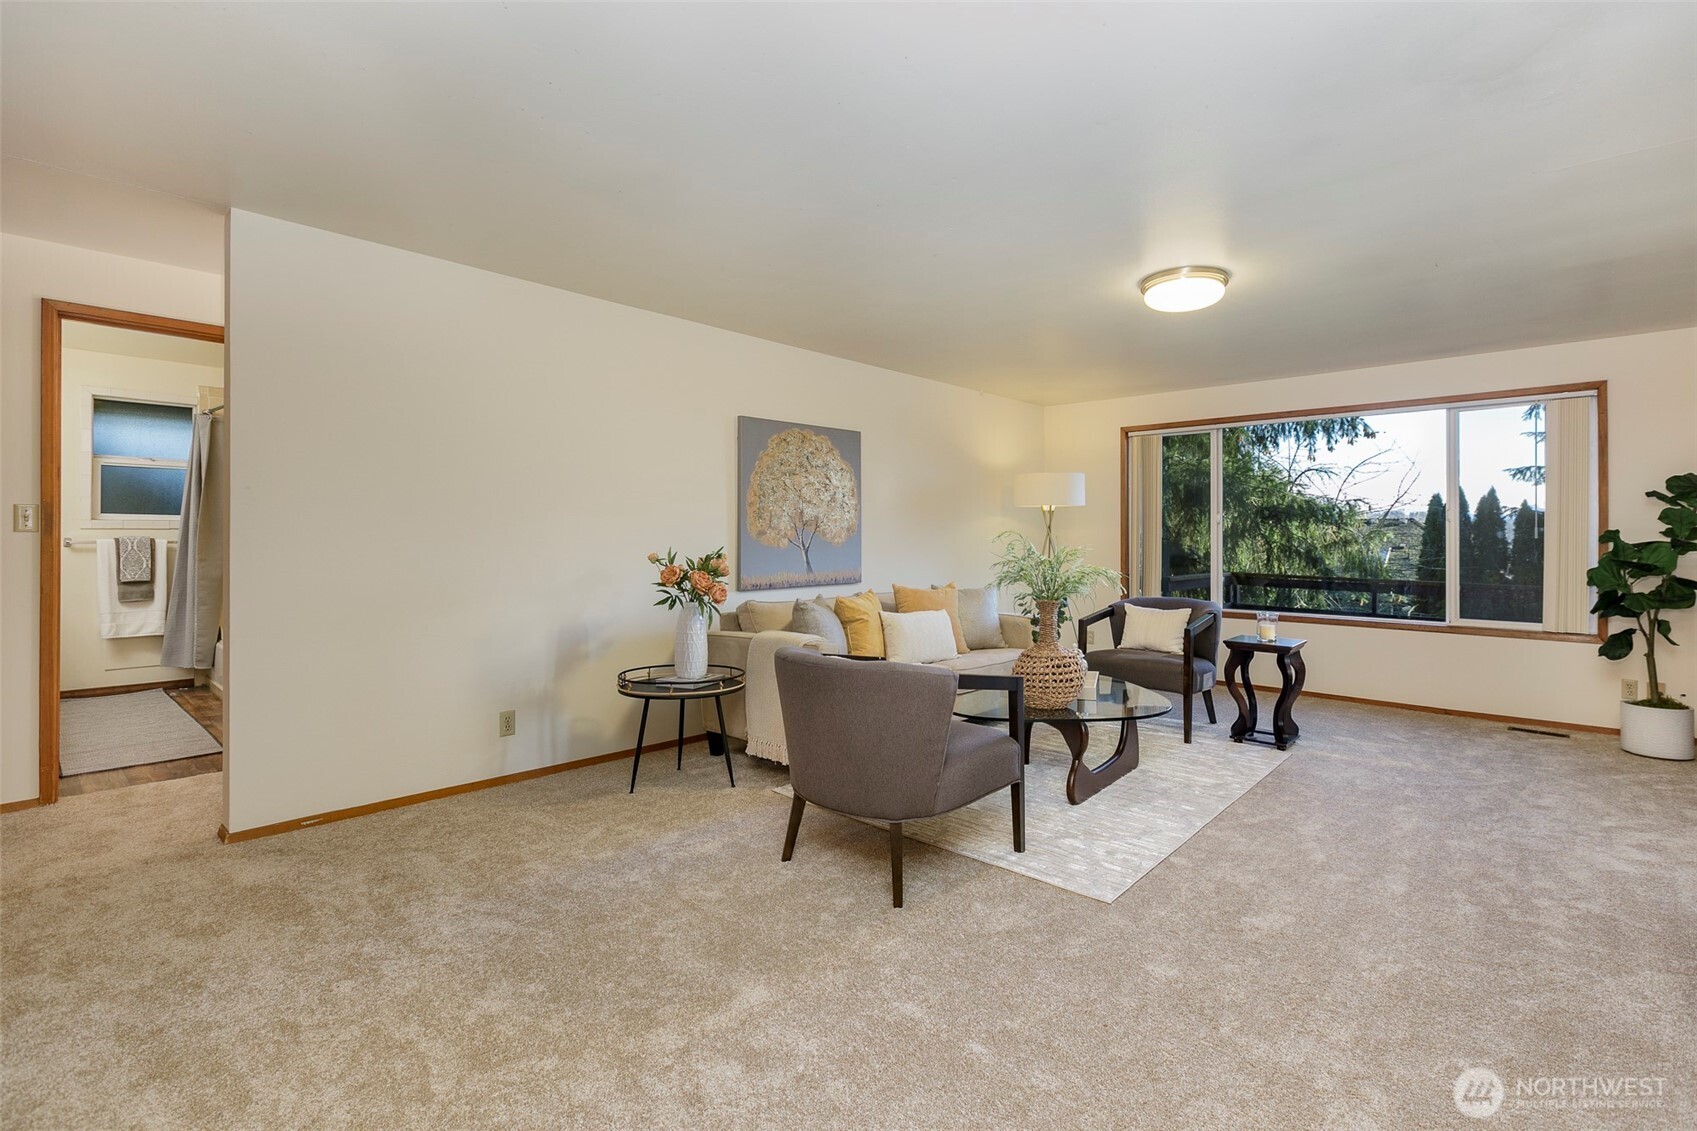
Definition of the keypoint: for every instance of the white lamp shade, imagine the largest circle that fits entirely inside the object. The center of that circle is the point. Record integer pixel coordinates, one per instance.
(1049, 489)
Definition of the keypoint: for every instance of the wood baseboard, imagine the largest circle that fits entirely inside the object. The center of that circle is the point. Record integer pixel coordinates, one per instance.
(1514, 720)
(15, 806)
(228, 837)
(125, 689)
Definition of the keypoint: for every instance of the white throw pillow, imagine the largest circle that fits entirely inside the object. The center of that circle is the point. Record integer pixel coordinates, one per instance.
(919, 638)
(1154, 630)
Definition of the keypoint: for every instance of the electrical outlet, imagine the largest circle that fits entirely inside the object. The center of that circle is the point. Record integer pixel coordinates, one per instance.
(1629, 690)
(509, 723)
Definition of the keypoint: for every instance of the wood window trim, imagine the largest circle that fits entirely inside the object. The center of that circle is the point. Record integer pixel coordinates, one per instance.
(1599, 389)
(54, 314)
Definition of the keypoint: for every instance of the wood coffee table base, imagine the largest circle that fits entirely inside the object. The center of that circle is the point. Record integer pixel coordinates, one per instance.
(1111, 701)
(1083, 781)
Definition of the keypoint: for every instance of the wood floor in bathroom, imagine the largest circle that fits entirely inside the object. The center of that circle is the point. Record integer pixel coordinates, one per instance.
(206, 708)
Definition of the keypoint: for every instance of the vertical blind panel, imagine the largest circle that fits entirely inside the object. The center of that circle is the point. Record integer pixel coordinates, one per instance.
(1571, 544)
(1145, 520)
(142, 431)
(141, 490)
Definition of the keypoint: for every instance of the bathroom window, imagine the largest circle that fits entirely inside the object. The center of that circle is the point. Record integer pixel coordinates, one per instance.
(141, 453)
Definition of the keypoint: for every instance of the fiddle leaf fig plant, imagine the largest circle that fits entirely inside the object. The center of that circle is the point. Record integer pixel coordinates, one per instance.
(1640, 582)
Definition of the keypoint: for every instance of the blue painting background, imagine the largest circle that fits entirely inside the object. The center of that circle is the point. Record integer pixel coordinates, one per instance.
(760, 566)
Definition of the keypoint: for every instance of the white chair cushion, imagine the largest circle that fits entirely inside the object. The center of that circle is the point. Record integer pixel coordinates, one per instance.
(1154, 630)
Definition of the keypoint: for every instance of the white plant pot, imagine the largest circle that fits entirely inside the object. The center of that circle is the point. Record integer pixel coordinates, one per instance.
(1657, 732)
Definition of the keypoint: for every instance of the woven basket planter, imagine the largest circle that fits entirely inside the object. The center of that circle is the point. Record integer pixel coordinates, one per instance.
(1053, 673)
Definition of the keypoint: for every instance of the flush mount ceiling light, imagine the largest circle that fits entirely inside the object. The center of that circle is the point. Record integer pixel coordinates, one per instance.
(1178, 289)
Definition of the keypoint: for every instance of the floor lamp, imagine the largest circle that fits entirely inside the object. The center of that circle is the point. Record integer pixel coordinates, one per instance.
(1049, 490)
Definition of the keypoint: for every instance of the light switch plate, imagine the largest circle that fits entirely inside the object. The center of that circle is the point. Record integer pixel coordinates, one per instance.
(26, 518)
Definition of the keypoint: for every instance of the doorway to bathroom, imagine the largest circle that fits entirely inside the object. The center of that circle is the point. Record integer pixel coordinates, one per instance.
(132, 518)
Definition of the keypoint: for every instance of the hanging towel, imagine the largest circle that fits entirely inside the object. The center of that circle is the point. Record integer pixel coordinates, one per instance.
(119, 619)
(135, 569)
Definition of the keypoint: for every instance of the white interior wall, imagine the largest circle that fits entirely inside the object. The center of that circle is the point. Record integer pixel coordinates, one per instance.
(30, 270)
(1652, 410)
(444, 484)
(85, 658)
(586, 395)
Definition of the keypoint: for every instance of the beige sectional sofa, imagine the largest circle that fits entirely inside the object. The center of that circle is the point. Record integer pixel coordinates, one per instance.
(730, 644)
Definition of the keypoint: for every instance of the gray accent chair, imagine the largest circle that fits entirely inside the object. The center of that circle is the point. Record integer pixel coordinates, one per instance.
(880, 741)
(1191, 673)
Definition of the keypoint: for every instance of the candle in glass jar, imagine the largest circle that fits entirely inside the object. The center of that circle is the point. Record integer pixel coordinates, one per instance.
(1267, 627)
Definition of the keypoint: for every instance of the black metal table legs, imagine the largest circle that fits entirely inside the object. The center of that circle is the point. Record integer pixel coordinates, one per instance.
(641, 732)
(683, 705)
(719, 704)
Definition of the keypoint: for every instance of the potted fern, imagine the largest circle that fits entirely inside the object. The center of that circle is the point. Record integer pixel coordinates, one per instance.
(1639, 581)
(1053, 673)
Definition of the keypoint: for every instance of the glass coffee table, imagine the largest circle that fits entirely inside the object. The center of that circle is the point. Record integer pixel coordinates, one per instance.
(1115, 701)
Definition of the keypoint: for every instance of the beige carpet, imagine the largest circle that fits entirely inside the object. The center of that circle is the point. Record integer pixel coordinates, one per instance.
(1405, 898)
(105, 732)
(1100, 848)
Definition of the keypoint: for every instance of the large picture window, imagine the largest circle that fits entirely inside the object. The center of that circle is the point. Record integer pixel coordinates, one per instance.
(1423, 513)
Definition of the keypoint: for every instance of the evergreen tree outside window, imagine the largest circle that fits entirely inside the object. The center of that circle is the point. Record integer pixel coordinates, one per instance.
(1434, 548)
(1490, 588)
(1186, 543)
(1324, 515)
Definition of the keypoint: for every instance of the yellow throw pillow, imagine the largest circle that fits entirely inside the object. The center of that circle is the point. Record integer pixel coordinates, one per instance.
(862, 618)
(946, 599)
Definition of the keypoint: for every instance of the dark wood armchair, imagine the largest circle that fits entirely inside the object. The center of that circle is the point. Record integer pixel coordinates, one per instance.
(1192, 672)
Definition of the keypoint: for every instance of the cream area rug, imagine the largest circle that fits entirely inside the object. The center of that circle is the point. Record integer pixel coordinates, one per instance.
(106, 732)
(1102, 847)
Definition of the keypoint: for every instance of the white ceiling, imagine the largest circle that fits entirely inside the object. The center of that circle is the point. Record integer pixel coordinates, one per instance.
(965, 192)
(51, 204)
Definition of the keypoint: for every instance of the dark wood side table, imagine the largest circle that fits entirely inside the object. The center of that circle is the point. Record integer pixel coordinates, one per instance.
(661, 681)
(1287, 653)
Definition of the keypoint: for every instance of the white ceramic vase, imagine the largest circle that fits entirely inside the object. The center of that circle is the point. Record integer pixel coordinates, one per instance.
(1657, 732)
(689, 650)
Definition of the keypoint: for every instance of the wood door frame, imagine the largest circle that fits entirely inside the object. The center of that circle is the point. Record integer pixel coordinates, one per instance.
(54, 314)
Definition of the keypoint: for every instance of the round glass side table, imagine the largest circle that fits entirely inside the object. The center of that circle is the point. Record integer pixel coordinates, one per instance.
(656, 682)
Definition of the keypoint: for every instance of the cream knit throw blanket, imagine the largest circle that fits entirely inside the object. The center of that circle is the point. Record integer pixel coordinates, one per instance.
(765, 716)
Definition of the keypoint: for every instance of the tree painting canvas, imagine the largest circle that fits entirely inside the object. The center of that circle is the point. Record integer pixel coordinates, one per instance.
(798, 498)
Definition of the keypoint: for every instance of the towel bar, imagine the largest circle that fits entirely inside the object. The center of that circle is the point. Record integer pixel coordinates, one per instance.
(71, 543)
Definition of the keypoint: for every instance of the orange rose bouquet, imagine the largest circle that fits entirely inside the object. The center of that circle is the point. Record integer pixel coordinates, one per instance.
(697, 581)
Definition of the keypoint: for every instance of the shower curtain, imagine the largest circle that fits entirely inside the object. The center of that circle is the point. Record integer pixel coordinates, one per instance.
(197, 583)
